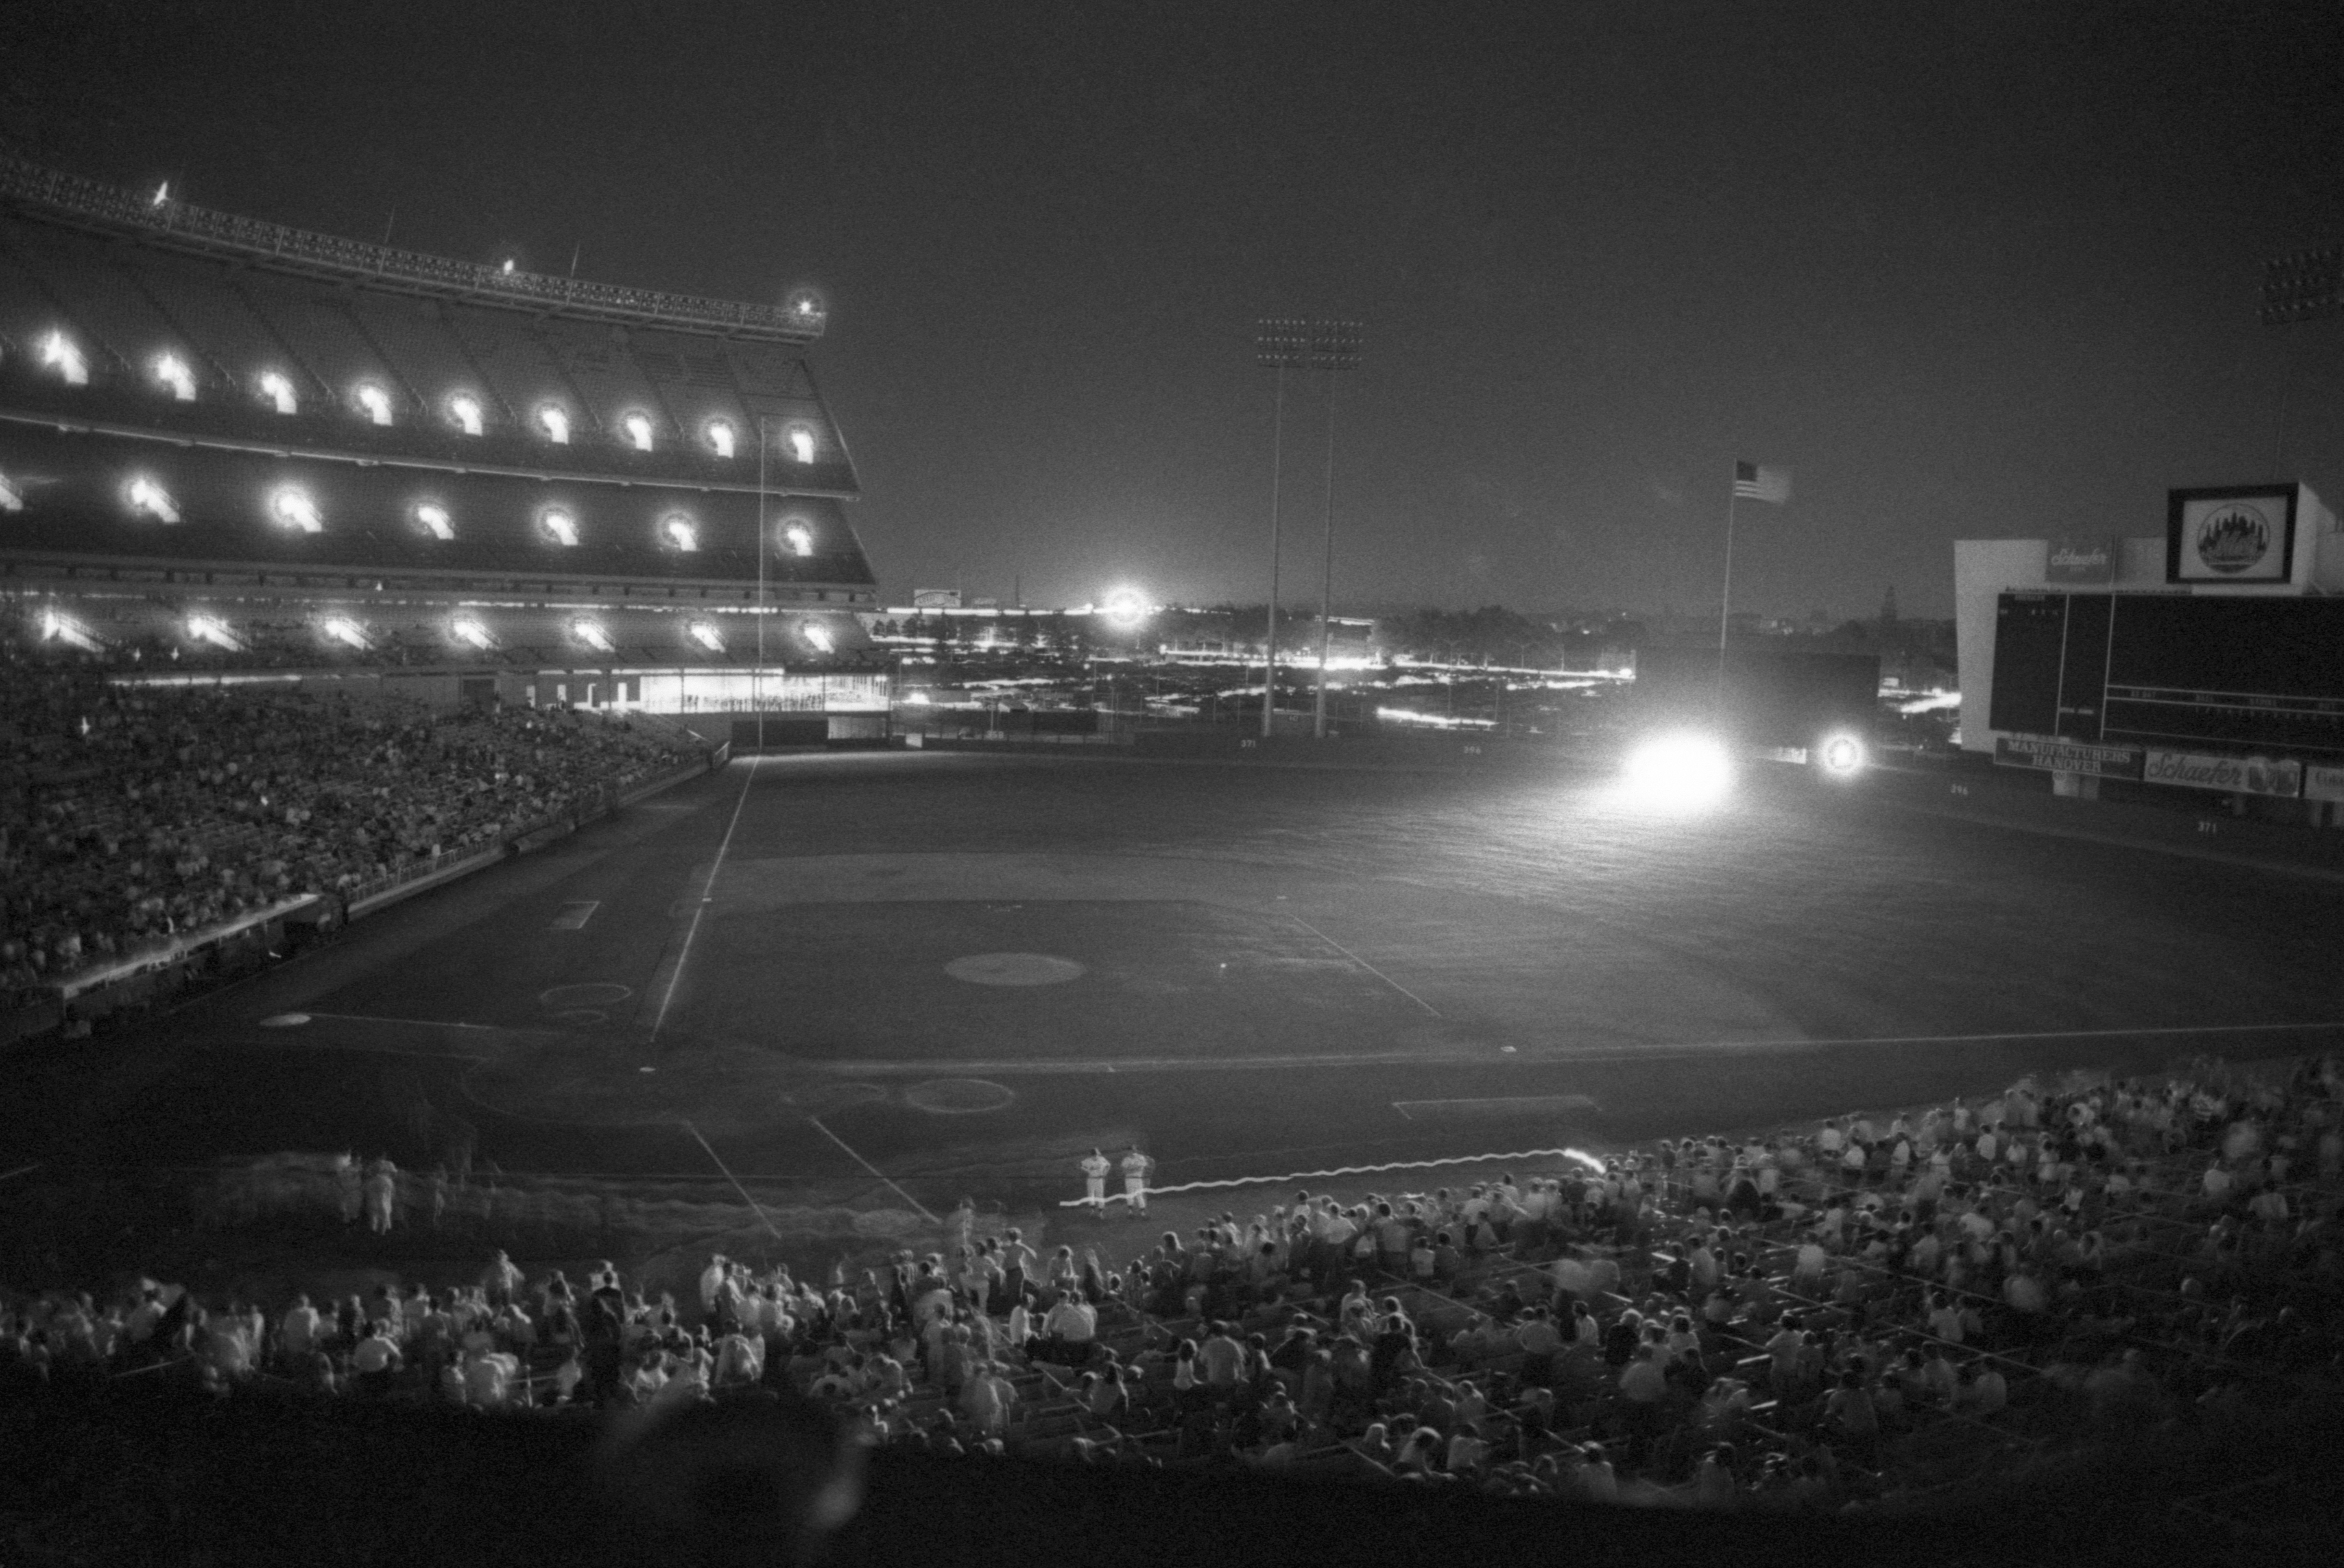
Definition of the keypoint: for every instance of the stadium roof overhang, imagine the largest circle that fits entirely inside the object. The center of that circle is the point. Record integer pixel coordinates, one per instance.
(78, 202)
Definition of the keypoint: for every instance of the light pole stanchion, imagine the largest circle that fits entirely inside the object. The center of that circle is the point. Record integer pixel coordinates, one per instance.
(1277, 475)
(1326, 573)
(1284, 345)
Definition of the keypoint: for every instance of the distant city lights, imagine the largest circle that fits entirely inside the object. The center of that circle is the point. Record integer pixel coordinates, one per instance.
(278, 387)
(65, 355)
(1930, 703)
(559, 525)
(293, 507)
(435, 520)
(555, 422)
(1432, 721)
(375, 402)
(147, 497)
(465, 408)
(591, 632)
(172, 372)
(639, 431)
(720, 437)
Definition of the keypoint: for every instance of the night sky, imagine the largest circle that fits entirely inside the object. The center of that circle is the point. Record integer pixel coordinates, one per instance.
(1967, 269)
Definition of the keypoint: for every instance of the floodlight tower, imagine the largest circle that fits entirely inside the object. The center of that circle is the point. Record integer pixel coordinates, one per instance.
(1334, 346)
(2299, 288)
(1282, 344)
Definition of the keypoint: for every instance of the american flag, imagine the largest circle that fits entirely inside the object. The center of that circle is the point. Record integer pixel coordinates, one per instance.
(1752, 483)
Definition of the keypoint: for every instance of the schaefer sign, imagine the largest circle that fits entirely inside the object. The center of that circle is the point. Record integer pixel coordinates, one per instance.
(2323, 782)
(2067, 756)
(2080, 561)
(2233, 776)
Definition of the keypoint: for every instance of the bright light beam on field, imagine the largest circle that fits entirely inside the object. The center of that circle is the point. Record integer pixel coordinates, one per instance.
(1686, 772)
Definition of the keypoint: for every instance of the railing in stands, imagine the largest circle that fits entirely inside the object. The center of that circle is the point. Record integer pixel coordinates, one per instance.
(423, 870)
(183, 225)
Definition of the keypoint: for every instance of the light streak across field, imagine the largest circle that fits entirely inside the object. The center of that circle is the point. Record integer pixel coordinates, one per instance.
(1581, 1155)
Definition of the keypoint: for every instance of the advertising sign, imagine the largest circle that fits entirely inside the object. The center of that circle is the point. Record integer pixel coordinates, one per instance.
(2242, 535)
(2232, 775)
(2082, 562)
(935, 598)
(2056, 756)
(2323, 781)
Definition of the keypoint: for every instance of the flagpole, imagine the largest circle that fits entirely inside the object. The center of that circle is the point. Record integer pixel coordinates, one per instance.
(1725, 600)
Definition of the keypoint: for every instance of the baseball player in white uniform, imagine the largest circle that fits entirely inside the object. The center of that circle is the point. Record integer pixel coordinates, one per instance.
(1136, 1168)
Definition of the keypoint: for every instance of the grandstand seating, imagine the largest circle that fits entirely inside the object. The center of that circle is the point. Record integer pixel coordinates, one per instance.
(329, 344)
(369, 523)
(611, 383)
(124, 303)
(414, 336)
(151, 533)
(104, 307)
(525, 377)
(236, 343)
(694, 381)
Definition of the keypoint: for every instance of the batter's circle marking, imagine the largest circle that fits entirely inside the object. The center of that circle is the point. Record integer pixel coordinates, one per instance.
(958, 1097)
(285, 1021)
(1014, 969)
(590, 994)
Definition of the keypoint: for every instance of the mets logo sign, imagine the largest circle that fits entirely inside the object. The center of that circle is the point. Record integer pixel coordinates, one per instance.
(2233, 538)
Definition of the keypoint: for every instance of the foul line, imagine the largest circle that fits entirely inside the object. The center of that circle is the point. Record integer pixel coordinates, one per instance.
(735, 1181)
(675, 975)
(875, 1170)
(1577, 1154)
(1363, 963)
(20, 1170)
(1528, 1055)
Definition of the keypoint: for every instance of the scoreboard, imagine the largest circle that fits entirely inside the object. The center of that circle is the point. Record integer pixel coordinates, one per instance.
(2172, 670)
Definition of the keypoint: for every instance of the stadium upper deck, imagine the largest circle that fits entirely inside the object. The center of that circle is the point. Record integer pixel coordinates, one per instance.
(191, 397)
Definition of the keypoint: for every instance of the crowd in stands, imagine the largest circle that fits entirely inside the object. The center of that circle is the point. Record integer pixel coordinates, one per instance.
(1803, 1320)
(130, 814)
